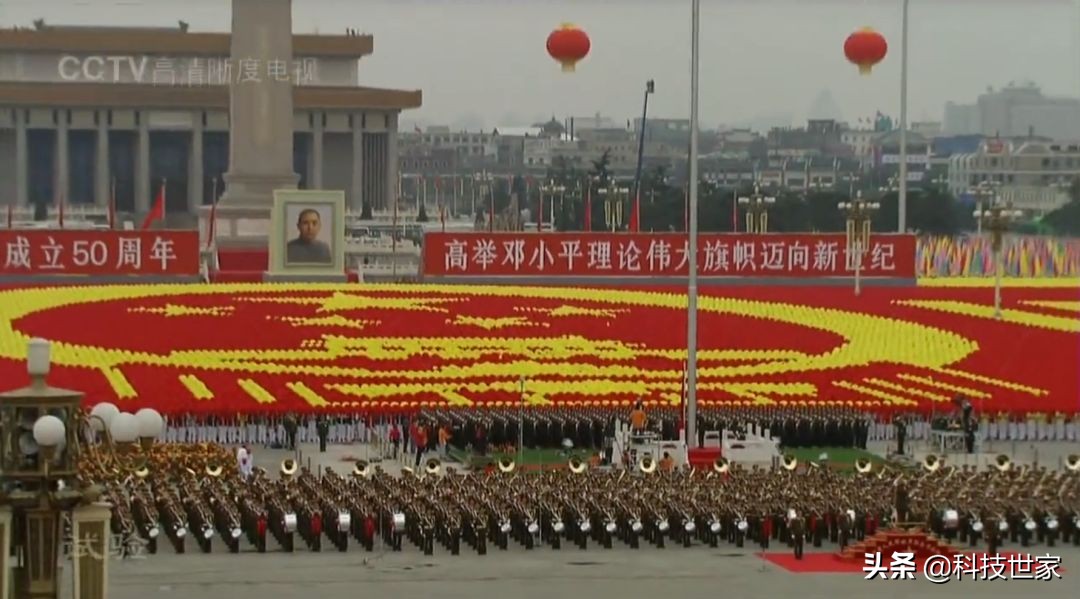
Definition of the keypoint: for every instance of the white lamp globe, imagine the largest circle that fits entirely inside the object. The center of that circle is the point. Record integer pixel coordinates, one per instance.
(37, 357)
(124, 428)
(151, 424)
(49, 431)
(104, 411)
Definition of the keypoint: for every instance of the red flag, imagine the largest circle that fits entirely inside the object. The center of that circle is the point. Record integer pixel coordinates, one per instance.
(112, 205)
(635, 214)
(158, 211)
(588, 208)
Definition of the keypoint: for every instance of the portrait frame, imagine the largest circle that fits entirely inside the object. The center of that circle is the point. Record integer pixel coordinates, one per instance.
(288, 203)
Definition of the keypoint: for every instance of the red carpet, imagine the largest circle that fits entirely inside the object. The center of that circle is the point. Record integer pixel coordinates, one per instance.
(811, 563)
(828, 563)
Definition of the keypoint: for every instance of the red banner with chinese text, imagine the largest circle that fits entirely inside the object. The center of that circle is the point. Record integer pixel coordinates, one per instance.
(95, 252)
(479, 254)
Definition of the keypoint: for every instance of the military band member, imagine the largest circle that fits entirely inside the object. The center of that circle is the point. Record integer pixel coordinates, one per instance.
(796, 530)
(323, 430)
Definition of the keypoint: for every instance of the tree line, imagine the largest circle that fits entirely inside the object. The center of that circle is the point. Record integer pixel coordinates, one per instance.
(931, 210)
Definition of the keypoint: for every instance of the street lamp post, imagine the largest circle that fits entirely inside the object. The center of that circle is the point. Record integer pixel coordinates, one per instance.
(859, 216)
(552, 189)
(613, 204)
(40, 484)
(987, 190)
(757, 210)
(997, 219)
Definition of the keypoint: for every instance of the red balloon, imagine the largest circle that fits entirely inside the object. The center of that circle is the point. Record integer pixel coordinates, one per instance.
(568, 45)
(865, 48)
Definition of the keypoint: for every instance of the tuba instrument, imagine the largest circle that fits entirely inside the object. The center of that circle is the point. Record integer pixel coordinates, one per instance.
(288, 468)
(721, 465)
(1002, 462)
(647, 464)
(361, 469)
(1073, 462)
(433, 467)
(931, 463)
(790, 462)
(576, 465)
(506, 464)
(863, 465)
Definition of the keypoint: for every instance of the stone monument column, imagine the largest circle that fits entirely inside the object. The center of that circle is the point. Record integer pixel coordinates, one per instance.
(260, 104)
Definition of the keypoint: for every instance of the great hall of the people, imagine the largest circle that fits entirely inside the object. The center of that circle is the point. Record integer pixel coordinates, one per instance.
(89, 114)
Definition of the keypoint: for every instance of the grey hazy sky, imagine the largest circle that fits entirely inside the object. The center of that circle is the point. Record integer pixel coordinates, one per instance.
(484, 62)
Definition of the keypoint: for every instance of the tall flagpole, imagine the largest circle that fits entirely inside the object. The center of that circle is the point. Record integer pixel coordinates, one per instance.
(902, 199)
(691, 288)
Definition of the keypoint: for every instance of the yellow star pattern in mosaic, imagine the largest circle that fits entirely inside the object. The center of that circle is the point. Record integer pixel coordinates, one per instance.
(174, 310)
(336, 320)
(491, 324)
(567, 310)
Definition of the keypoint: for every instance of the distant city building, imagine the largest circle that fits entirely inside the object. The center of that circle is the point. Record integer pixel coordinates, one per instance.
(886, 152)
(819, 138)
(671, 131)
(1015, 111)
(1032, 174)
(785, 173)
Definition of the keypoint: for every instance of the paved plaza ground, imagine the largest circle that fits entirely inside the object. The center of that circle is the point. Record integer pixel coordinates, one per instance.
(623, 573)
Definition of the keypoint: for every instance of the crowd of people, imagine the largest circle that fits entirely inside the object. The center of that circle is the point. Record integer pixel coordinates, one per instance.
(587, 427)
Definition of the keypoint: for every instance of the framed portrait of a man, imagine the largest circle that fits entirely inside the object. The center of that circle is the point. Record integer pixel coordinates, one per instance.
(309, 232)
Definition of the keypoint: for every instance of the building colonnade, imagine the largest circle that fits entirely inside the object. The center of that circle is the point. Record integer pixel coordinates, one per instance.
(89, 156)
